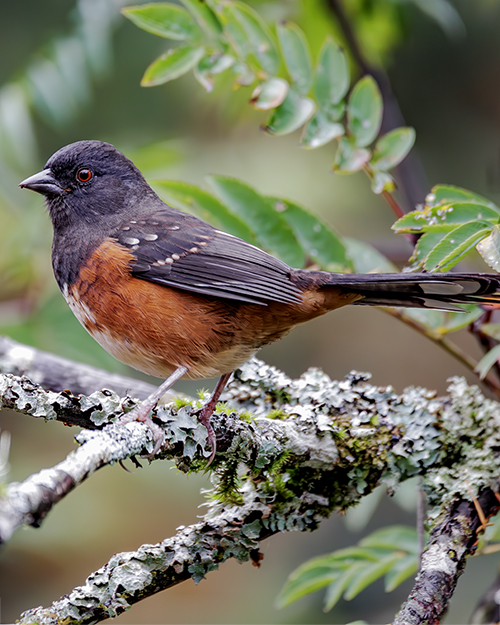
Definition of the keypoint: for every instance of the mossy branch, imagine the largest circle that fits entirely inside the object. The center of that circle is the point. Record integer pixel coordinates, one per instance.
(333, 441)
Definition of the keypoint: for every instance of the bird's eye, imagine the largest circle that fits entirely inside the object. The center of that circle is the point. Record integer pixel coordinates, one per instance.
(84, 175)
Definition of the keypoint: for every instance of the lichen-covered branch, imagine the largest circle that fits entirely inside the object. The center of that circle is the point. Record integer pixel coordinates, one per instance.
(56, 374)
(28, 503)
(452, 539)
(310, 446)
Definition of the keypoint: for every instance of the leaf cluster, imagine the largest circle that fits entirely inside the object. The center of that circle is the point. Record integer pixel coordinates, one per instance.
(222, 36)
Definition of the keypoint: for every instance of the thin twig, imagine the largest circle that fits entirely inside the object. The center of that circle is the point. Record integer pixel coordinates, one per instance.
(448, 346)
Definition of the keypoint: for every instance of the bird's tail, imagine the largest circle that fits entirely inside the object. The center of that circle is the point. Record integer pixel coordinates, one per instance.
(421, 290)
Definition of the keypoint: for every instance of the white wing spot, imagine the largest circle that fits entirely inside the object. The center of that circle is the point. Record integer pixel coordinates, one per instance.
(150, 237)
(131, 241)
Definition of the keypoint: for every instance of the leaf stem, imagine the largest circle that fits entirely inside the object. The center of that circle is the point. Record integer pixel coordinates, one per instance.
(447, 345)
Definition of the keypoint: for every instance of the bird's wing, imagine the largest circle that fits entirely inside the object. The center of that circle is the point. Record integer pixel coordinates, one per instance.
(181, 251)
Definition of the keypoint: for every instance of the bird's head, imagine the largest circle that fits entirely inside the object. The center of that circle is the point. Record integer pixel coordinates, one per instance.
(88, 180)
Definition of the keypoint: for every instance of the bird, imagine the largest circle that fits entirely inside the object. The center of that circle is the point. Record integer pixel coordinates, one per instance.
(174, 297)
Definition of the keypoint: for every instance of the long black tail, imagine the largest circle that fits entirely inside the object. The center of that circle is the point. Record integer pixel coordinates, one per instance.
(421, 290)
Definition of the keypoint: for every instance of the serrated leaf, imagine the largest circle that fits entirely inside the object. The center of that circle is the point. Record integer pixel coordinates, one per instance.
(370, 573)
(165, 20)
(204, 16)
(250, 35)
(211, 65)
(444, 218)
(174, 63)
(489, 248)
(188, 197)
(455, 245)
(318, 241)
(382, 181)
(319, 131)
(269, 94)
(367, 259)
(350, 158)
(364, 111)
(332, 79)
(392, 148)
(270, 227)
(491, 329)
(290, 115)
(297, 56)
(449, 194)
(401, 570)
(487, 361)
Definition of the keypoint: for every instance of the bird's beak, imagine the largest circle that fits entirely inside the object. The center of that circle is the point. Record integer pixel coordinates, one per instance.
(43, 182)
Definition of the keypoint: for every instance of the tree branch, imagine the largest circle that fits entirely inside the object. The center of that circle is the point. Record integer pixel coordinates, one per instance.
(56, 374)
(334, 442)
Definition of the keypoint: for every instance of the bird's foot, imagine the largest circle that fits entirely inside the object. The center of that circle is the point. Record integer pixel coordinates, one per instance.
(204, 416)
(141, 413)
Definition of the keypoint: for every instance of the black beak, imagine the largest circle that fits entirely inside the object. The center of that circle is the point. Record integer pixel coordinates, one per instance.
(43, 182)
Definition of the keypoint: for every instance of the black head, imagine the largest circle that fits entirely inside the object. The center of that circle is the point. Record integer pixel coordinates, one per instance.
(86, 181)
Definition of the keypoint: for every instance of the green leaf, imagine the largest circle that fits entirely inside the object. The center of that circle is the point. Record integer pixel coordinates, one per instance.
(401, 570)
(491, 329)
(364, 111)
(392, 148)
(426, 243)
(366, 258)
(398, 537)
(165, 20)
(370, 573)
(444, 218)
(250, 35)
(244, 75)
(448, 194)
(210, 66)
(429, 319)
(332, 79)
(350, 158)
(190, 198)
(305, 580)
(297, 55)
(270, 227)
(489, 248)
(269, 94)
(455, 245)
(204, 17)
(174, 63)
(319, 130)
(382, 181)
(336, 588)
(457, 321)
(318, 241)
(290, 115)
(487, 361)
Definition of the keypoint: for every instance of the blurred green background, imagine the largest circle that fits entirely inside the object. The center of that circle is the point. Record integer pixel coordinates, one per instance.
(70, 71)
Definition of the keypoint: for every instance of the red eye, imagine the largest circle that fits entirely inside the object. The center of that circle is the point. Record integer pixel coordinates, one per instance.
(84, 175)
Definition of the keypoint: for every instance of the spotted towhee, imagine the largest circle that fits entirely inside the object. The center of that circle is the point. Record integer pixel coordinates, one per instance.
(173, 296)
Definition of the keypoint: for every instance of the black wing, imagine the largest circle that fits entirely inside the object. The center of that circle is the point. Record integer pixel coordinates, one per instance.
(181, 251)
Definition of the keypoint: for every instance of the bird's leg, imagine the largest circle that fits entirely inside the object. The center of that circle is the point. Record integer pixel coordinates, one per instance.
(141, 412)
(207, 410)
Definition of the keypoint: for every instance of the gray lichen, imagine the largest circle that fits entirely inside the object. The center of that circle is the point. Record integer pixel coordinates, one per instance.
(332, 443)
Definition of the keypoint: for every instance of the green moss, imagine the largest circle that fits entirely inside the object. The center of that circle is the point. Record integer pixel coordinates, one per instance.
(180, 402)
(277, 414)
